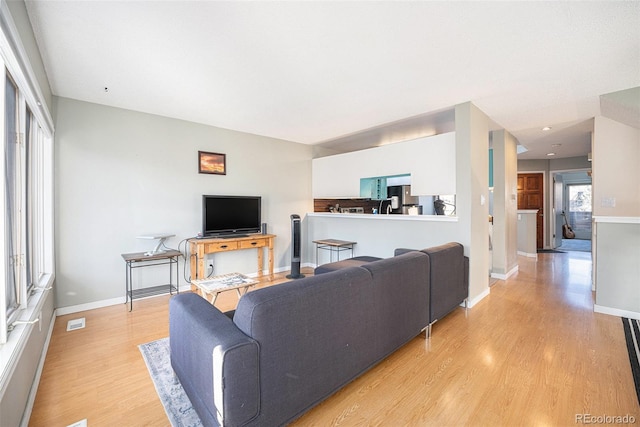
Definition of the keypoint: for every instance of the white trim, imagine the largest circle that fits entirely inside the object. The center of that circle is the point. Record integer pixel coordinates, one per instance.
(21, 70)
(89, 306)
(510, 273)
(478, 298)
(528, 255)
(185, 287)
(617, 219)
(36, 380)
(616, 312)
(3, 234)
(11, 351)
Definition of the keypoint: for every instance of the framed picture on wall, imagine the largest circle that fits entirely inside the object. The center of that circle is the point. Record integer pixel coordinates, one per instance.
(213, 163)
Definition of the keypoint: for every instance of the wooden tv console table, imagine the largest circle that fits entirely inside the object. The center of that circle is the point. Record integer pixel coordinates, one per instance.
(199, 248)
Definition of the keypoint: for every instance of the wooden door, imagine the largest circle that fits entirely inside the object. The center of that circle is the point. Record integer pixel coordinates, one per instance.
(531, 196)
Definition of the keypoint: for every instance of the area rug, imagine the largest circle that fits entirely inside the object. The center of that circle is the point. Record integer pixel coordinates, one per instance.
(550, 251)
(177, 405)
(632, 335)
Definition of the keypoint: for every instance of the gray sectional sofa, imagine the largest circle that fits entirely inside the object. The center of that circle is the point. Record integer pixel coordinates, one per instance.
(448, 279)
(448, 276)
(288, 347)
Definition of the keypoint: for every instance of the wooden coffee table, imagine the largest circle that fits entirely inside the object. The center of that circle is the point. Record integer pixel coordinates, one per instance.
(212, 286)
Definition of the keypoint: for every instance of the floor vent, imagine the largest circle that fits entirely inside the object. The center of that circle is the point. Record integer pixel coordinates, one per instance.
(72, 325)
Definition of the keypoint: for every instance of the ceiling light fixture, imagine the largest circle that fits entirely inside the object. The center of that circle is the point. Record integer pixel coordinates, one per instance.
(551, 154)
(546, 128)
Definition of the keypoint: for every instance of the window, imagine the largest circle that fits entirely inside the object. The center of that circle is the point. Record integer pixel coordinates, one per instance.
(27, 253)
(11, 201)
(580, 209)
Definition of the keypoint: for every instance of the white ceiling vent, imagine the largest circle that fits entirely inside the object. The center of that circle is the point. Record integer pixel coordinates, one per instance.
(72, 325)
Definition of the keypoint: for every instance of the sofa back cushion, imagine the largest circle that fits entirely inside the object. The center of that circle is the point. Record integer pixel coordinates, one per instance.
(401, 289)
(314, 334)
(448, 284)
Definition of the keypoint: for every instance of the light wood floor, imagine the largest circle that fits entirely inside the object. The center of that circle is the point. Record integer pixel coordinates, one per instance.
(532, 353)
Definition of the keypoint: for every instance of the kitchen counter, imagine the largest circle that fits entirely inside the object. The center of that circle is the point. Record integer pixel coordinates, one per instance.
(378, 235)
(379, 217)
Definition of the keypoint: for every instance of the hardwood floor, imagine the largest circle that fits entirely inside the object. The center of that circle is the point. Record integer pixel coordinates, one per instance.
(532, 353)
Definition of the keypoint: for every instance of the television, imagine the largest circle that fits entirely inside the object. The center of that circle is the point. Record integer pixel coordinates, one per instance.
(231, 216)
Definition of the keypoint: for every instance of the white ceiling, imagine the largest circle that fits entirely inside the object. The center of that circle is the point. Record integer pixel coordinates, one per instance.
(315, 71)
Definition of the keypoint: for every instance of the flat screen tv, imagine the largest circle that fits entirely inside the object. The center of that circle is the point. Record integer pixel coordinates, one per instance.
(229, 216)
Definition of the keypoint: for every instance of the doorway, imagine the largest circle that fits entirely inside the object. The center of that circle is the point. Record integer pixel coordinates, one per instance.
(579, 209)
(573, 197)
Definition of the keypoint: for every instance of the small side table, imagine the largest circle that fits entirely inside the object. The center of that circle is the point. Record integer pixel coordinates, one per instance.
(214, 285)
(333, 246)
(139, 260)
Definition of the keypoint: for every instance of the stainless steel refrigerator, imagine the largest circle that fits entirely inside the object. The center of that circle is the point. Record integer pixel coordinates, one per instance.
(405, 199)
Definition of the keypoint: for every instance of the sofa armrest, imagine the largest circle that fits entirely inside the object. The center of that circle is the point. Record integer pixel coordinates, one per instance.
(216, 363)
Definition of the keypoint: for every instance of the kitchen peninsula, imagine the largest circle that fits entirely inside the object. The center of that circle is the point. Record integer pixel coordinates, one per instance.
(378, 235)
(355, 186)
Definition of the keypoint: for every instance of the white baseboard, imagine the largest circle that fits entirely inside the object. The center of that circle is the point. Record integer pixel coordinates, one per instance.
(528, 255)
(184, 287)
(475, 300)
(89, 306)
(616, 312)
(502, 276)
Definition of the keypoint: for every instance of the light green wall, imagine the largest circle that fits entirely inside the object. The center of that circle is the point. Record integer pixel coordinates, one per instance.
(120, 174)
(616, 178)
(618, 269)
(505, 204)
(472, 190)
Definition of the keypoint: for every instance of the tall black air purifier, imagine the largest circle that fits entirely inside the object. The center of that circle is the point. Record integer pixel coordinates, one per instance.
(295, 248)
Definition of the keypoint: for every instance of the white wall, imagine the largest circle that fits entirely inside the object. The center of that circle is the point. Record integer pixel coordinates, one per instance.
(616, 148)
(376, 235)
(431, 161)
(526, 238)
(121, 173)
